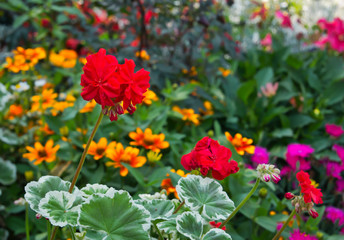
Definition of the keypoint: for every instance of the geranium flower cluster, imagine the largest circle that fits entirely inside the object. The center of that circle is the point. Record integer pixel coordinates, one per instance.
(267, 172)
(210, 158)
(116, 87)
(310, 195)
(334, 34)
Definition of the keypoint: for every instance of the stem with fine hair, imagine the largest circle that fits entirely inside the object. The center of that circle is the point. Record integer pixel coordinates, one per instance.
(242, 203)
(284, 225)
(27, 229)
(81, 163)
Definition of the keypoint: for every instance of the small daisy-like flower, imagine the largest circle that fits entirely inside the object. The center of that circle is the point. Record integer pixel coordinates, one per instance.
(148, 140)
(98, 150)
(40, 153)
(241, 144)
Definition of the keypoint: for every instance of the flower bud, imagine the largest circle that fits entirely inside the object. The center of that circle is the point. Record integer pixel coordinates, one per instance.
(20, 202)
(275, 178)
(263, 192)
(313, 213)
(289, 195)
(38, 216)
(266, 177)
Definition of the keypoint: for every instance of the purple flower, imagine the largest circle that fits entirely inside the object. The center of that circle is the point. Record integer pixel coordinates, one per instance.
(334, 169)
(340, 151)
(297, 235)
(335, 214)
(296, 154)
(334, 130)
(261, 155)
(340, 185)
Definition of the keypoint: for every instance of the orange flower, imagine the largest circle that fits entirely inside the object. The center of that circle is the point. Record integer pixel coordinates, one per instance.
(24, 59)
(88, 107)
(241, 144)
(225, 72)
(65, 58)
(18, 63)
(143, 54)
(167, 183)
(128, 155)
(192, 72)
(14, 111)
(148, 140)
(44, 101)
(98, 150)
(150, 96)
(40, 153)
(208, 108)
(188, 114)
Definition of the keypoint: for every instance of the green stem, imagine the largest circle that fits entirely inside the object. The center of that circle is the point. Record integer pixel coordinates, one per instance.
(48, 229)
(157, 229)
(71, 232)
(81, 163)
(242, 203)
(27, 229)
(284, 225)
(179, 207)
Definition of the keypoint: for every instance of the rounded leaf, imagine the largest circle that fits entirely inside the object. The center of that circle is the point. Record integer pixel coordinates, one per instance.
(158, 208)
(35, 191)
(216, 234)
(91, 189)
(169, 226)
(190, 224)
(205, 195)
(8, 172)
(61, 207)
(116, 215)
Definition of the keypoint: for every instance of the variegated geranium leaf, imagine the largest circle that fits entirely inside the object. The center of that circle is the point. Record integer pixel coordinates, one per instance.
(116, 215)
(8, 172)
(61, 208)
(216, 234)
(35, 191)
(94, 188)
(190, 224)
(205, 195)
(169, 226)
(158, 208)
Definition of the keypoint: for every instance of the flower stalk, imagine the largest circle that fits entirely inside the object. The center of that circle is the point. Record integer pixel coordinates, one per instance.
(242, 203)
(27, 228)
(284, 225)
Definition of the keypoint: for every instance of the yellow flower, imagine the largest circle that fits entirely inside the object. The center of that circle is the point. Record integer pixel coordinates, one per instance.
(314, 183)
(148, 140)
(208, 109)
(42, 153)
(143, 54)
(272, 213)
(88, 107)
(44, 101)
(98, 150)
(153, 156)
(129, 155)
(188, 114)
(225, 72)
(241, 144)
(150, 96)
(65, 58)
(28, 175)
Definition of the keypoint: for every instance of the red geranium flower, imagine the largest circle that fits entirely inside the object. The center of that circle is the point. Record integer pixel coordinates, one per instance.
(99, 79)
(207, 155)
(133, 85)
(309, 191)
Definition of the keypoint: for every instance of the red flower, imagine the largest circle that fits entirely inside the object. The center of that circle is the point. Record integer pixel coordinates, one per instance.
(133, 85)
(309, 191)
(99, 80)
(217, 225)
(207, 155)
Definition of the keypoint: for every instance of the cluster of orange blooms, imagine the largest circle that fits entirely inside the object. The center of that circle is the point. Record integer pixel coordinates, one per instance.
(240, 143)
(189, 115)
(143, 55)
(24, 59)
(148, 140)
(66, 58)
(168, 185)
(40, 153)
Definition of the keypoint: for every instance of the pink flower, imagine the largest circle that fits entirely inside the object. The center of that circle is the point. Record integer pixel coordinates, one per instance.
(340, 151)
(267, 41)
(334, 214)
(286, 22)
(269, 90)
(296, 154)
(334, 130)
(340, 185)
(334, 169)
(297, 235)
(261, 155)
(334, 35)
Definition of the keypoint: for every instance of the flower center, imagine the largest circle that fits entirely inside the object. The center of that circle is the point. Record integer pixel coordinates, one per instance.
(126, 158)
(100, 151)
(42, 153)
(148, 141)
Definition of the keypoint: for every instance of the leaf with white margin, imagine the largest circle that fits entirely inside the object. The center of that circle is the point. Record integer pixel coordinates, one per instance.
(216, 234)
(8, 172)
(61, 207)
(205, 195)
(94, 188)
(35, 191)
(190, 224)
(158, 208)
(116, 215)
(169, 226)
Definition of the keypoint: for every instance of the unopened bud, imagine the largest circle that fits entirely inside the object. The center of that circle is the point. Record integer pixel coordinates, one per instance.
(266, 177)
(275, 178)
(289, 195)
(263, 192)
(313, 213)
(38, 216)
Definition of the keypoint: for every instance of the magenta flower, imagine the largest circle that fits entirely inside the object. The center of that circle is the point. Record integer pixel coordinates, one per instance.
(285, 19)
(297, 154)
(334, 35)
(340, 151)
(261, 155)
(334, 169)
(297, 235)
(340, 185)
(334, 214)
(267, 41)
(334, 130)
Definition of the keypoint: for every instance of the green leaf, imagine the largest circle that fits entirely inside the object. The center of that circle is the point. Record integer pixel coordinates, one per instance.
(8, 172)
(190, 225)
(35, 191)
(137, 174)
(334, 93)
(169, 226)
(8, 137)
(266, 222)
(61, 207)
(264, 76)
(246, 90)
(91, 189)
(280, 133)
(216, 234)
(3, 234)
(116, 214)
(300, 120)
(158, 208)
(19, 21)
(205, 195)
